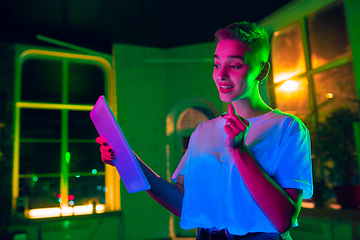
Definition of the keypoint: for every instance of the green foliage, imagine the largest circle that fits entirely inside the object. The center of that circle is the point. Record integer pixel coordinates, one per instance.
(335, 143)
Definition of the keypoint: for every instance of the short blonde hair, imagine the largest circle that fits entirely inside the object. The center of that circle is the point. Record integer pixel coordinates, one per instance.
(250, 33)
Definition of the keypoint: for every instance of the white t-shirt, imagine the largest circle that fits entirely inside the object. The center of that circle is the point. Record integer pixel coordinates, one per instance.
(215, 194)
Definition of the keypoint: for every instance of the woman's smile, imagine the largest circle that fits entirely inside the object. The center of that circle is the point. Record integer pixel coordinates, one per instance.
(225, 88)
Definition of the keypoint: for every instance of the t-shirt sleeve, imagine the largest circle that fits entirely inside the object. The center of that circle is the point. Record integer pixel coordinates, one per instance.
(180, 168)
(293, 167)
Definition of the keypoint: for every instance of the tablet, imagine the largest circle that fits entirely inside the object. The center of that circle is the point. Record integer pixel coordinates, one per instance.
(126, 163)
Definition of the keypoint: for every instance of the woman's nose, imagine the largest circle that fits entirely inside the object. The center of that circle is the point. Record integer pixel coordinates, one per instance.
(223, 78)
(223, 75)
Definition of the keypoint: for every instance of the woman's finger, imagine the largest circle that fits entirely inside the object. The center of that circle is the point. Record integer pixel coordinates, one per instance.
(232, 124)
(100, 140)
(105, 148)
(229, 131)
(107, 154)
(231, 111)
(237, 119)
(107, 158)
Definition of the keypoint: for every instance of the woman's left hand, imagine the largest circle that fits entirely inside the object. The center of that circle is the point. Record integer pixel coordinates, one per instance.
(236, 128)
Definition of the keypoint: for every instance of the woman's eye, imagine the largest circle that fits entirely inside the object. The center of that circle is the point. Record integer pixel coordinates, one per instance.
(235, 67)
(216, 65)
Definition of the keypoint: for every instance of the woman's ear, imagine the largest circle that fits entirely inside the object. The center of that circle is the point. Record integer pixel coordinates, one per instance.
(264, 71)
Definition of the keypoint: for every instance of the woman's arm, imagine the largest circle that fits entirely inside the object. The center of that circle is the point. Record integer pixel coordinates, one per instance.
(165, 193)
(168, 195)
(281, 206)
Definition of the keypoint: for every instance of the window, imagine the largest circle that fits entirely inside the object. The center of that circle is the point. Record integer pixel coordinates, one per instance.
(287, 53)
(335, 88)
(328, 36)
(56, 160)
(312, 66)
(191, 118)
(313, 78)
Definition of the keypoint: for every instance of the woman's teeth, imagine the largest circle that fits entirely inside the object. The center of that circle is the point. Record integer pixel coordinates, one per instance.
(226, 87)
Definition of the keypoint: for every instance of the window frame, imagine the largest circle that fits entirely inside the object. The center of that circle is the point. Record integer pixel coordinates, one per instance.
(23, 53)
(298, 12)
(309, 71)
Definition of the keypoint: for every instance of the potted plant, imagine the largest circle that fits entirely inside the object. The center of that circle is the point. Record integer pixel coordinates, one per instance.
(337, 151)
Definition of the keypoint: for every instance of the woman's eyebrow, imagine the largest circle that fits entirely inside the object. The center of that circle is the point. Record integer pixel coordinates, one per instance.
(231, 56)
(241, 57)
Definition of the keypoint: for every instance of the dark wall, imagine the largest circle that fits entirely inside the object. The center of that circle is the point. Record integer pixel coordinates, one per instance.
(6, 133)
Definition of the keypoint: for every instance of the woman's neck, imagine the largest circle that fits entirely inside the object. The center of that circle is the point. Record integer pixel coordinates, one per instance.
(249, 109)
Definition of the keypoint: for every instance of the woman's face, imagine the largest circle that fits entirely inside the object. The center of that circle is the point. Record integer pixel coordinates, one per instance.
(235, 70)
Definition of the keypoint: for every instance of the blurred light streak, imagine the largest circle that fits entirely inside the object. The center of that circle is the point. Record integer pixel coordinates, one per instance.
(68, 211)
(44, 212)
(308, 205)
(81, 210)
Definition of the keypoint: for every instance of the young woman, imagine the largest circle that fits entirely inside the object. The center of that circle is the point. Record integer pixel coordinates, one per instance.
(245, 173)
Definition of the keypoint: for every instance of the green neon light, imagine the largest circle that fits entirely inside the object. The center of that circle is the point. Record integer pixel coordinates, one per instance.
(66, 224)
(54, 106)
(75, 47)
(67, 157)
(94, 171)
(35, 178)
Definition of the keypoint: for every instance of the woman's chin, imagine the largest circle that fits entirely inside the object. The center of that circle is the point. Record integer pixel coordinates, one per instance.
(225, 98)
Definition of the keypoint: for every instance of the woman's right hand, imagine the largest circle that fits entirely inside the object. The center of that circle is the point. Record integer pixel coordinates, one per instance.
(107, 153)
